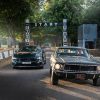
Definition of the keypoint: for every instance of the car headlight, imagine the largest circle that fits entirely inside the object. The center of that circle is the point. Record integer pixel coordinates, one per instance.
(37, 54)
(57, 66)
(39, 58)
(98, 68)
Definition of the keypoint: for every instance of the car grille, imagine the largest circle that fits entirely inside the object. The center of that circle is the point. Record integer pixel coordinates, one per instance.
(26, 59)
(79, 68)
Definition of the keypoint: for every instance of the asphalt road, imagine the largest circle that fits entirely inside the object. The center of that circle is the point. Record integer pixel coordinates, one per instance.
(34, 84)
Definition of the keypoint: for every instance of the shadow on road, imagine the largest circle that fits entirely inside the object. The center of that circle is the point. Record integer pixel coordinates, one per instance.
(31, 85)
(84, 82)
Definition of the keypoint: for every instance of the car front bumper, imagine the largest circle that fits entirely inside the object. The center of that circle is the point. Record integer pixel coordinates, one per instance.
(27, 64)
(73, 75)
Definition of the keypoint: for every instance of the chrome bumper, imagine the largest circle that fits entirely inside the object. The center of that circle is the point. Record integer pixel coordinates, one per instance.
(75, 72)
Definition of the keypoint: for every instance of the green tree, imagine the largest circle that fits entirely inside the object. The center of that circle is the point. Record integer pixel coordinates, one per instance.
(57, 10)
(92, 12)
(13, 14)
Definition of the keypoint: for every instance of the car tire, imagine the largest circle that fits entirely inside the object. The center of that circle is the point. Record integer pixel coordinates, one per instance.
(95, 81)
(44, 61)
(41, 67)
(50, 72)
(54, 79)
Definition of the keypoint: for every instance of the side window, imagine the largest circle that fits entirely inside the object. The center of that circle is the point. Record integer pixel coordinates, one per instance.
(87, 51)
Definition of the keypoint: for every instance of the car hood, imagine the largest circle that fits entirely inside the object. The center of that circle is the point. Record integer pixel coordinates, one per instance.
(21, 53)
(24, 54)
(76, 60)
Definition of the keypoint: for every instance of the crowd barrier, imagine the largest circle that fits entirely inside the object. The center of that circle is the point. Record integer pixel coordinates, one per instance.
(6, 53)
(5, 56)
(5, 62)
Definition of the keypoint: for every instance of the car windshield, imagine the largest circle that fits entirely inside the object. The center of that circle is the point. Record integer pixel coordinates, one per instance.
(72, 52)
(28, 49)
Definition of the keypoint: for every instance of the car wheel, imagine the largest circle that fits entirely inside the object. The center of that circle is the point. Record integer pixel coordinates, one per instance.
(41, 67)
(44, 61)
(54, 79)
(50, 72)
(95, 81)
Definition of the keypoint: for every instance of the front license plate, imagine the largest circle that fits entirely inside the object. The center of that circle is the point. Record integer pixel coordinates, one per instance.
(80, 76)
(26, 62)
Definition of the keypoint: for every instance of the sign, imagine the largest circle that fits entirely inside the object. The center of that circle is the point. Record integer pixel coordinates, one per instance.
(65, 42)
(1, 57)
(11, 52)
(27, 32)
(64, 36)
(64, 25)
(6, 54)
(46, 24)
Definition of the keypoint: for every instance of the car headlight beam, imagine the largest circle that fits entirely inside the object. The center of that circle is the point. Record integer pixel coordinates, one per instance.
(98, 68)
(57, 66)
(39, 58)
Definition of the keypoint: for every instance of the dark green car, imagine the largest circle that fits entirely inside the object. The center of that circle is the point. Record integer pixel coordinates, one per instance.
(29, 56)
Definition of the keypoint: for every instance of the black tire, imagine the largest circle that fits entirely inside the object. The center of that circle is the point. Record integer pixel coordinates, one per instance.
(44, 61)
(41, 67)
(50, 72)
(95, 81)
(54, 79)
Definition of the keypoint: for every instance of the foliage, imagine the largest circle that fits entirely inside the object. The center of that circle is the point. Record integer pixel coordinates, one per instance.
(57, 10)
(14, 12)
(93, 12)
(12, 17)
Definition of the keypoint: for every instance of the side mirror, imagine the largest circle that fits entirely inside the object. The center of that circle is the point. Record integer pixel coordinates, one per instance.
(16, 50)
(91, 56)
